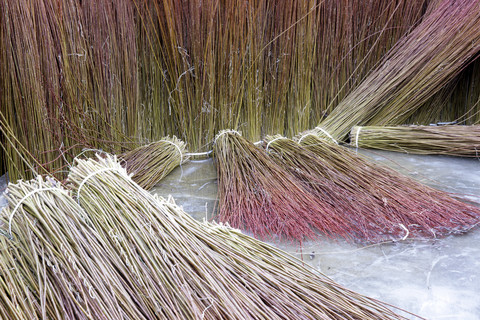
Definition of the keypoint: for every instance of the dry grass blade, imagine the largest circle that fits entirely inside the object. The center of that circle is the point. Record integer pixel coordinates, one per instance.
(361, 216)
(462, 141)
(58, 268)
(234, 276)
(258, 195)
(424, 211)
(151, 163)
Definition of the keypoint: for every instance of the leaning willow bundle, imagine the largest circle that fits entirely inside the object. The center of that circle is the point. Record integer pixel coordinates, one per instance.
(151, 163)
(258, 195)
(418, 209)
(56, 267)
(417, 67)
(231, 275)
(360, 211)
(462, 141)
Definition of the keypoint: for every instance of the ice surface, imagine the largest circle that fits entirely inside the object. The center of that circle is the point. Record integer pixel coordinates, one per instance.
(3, 187)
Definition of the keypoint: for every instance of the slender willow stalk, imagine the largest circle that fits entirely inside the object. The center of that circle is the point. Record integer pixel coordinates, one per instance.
(232, 275)
(418, 209)
(461, 141)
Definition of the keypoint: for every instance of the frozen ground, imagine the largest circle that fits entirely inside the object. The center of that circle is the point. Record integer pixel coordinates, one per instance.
(438, 279)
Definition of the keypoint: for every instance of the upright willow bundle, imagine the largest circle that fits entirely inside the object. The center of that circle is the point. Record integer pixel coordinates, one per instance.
(258, 195)
(227, 274)
(151, 163)
(416, 208)
(462, 141)
(364, 216)
(107, 74)
(417, 67)
(56, 265)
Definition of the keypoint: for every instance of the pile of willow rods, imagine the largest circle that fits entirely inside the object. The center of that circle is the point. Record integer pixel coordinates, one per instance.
(150, 163)
(417, 209)
(258, 195)
(453, 140)
(419, 65)
(225, 273)
(57, 267)
(361, 213)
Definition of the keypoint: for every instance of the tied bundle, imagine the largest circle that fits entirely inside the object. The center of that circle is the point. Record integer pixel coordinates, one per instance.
(453, 140)
(363, 215)
(419, 210)
(232, 275)
(54, 265)
(151, 163)
(258, 195)
(419, 65)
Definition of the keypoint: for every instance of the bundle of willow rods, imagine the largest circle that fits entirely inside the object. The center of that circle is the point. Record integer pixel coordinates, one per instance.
(151, 163)
(360, 211)
(416, 68)
(232, 275)
(56, 265)
(454, 140)
(424, 211)
(258, 195)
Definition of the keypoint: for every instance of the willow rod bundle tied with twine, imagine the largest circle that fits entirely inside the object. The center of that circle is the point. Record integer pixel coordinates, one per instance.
(258, 195)
(453, 140)
(364, 216)
(418, 66)
(232, 275)
(57, 265)
(420, 210)
(151, 163)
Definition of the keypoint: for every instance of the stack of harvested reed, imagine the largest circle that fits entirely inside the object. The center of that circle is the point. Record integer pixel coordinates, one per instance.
(151, 163)
(420, 210)
(417, 67)
(364, 216)
(257, 195)
(231, 275)
(462, 141)
(58, 266)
